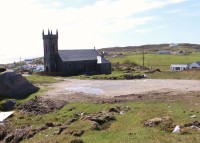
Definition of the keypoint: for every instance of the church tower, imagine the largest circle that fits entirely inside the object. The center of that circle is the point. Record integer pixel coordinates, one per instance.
(50, 42)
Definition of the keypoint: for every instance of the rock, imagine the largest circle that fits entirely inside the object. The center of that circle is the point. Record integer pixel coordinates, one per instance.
(9, 104)
(77, 133)
(76, 141)
(31, 134)
(2, 70)
(157, 121)
(71, 121)
(177, 129)
(193, 116)
(110, 117)
(195, 123)
(61, 129)
(114, 109)
(95, 126)
(100, 121)
(15, 86)
(9, 138)
(50, 124)
(101, 117)
(41, 128)
(194, 127)
(121, 112)
(2, 131)
(17, 135)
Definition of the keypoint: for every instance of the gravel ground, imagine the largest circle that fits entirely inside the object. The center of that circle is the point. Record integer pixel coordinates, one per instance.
(92, 90)
(113, 88)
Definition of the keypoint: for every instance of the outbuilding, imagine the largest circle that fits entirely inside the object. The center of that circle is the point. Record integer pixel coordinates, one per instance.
(195, 65)
(179, 67)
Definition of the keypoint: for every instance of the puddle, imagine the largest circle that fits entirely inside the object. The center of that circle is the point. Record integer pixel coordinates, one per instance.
(88, 90)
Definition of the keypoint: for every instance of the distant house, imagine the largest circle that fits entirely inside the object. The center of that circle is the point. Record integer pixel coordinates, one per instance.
(173, 45)
(195, 65)
(29, 61)
(179, 67)
(164, 52)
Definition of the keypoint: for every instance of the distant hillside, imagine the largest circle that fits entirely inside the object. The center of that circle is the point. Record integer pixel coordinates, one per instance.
(153, 48)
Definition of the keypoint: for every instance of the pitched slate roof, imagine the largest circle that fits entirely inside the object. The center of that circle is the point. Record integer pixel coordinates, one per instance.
(198, 63)
(78, 55)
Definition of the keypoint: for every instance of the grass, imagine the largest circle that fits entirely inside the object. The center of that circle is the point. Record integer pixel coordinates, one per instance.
(37, 79)
(115, 74)
(127, 128)
(152, 61)
(187, 75)
(158, 60)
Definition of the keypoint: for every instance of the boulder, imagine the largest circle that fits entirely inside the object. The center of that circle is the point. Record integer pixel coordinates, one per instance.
(15, 85)
(9, 104)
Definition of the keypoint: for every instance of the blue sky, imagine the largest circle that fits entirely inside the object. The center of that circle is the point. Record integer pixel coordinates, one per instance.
(100, 23)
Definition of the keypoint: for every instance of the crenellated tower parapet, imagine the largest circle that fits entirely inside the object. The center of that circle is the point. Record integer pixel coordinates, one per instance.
(50, 35)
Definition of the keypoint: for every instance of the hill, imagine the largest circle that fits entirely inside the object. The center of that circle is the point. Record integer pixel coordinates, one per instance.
(153, 48)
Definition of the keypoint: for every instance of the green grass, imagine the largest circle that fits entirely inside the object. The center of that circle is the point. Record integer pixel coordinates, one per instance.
(188, 75)
(157, 60)
(127, 128)
(37, 79)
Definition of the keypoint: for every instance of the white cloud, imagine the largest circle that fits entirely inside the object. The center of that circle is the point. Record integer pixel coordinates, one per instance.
(22, 22)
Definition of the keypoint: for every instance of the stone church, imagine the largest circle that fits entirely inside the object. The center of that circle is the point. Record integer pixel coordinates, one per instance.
(72, 62)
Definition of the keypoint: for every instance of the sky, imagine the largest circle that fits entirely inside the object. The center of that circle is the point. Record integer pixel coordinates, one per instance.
(83, 24)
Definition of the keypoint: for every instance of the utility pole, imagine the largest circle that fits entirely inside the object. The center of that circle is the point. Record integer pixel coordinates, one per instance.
(142, 56)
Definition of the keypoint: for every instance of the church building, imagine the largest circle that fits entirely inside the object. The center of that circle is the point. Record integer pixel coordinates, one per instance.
(72, 62)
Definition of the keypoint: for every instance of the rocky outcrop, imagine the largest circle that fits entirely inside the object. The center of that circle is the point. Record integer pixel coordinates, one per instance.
(15, 85)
